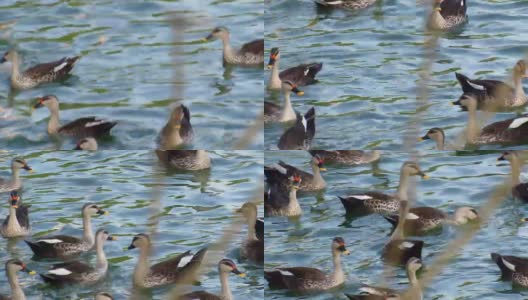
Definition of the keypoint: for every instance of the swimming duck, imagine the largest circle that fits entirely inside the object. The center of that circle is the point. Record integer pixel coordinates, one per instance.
(103, 296)
(15, 183)
(253, 246)
(415, 290)
(309, 182)
(346, 4)
(191, 160)
(41, 73)
(13, 266)
(251, 53)
(286, 113)
(509, 264)
(447, 14)
(225, 266)
(512, 131)
(436, 134)
(80, 128)
(304, 279)
(420, 220)
(174, 270)
(87, 144)
(79, 272)
(178, 130)
(281, 200)
(380, 203)
(493, 94)
(300, 135)
(64, 246)
(300, 75)
(347, 157)
(519, 190)
(17, 223)
(399, 250)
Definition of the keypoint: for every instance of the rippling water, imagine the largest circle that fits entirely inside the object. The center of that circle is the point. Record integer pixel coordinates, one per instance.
(367, 89)
(456, 179)
(195, 209)
(135, 75)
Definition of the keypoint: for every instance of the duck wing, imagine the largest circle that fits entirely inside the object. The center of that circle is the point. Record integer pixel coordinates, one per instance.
(508, 263)
(301, 75)
(22, 214)
(177, 267)
(254, 47)
(271, 108)
(52, 70)
(200, 295)
(87, 127)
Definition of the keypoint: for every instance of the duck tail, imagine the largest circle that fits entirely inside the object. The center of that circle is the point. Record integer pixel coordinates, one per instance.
(274, 279)
(464, 82)
(48, 278)
(392, 219)
(352, 206)
(505, 272)
(313, 69)
(310, 122)
(34, 246)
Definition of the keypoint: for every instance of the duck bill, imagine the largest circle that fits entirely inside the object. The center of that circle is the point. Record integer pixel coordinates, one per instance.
(28, 168)
(103, 212)
(207, 38)
(456, 103)
(77, 147)
(111, 238)
(501, 158)
(14, 204)
(237, 272)
(343, 250)
(423, 138)
(424, 176)
(297, 91)
(131, 247)
(271, 61)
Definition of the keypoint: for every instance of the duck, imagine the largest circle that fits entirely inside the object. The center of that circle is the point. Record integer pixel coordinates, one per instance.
(174, 270)
(512, 131)
(381, 203)
(17, 223)
(13, 266)
(189, 160)
(225, 266)
(437, 135)
(300, 75)
(87, 144)
(80, 128)
(346, 4)
(251, 53)
(347, 157)
(286, 113)
(79, 272)
(103, 296)
(64, 246)
(494, 94)
(509, 264)
(15, 183)
(280, 200)
(253, 246)
(414, 292)
(39, 74)
(309, 182)
(306, 279)
(421, 220)
(399, 250)
(178, 130)
(300, 135)
(519, 190)
(447, 14)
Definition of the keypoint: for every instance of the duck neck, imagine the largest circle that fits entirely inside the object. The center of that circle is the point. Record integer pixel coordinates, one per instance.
(519, 91)
(403, 187)
(317, 177)
(440, 142)
(274, 77)
(101, 263)
(53, 123)
(436, 21)
(413, 281)
(12, 221)
(229, 53)
(338, 275)
(515, 171)
(294, 203)
(15, 68)
(287, 109)
(16, 290)
(143, 265)
(203, 157)
(252, 219)
(472, 126)
(224, 283)
(15, 176)
(88, 237)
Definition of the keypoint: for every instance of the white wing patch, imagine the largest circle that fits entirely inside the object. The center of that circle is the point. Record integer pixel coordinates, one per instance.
(411, 216)
(51, 241)
(285, 273)
(508, 264)
(95, 123)
(518, 122)
(305, 124)
(461, 2)
(279, 168)
(406, 245)
(185, 261)
(361, 197)
(60, 272)
(475, 86)
(371, 291)
(306, 71)
(59, 67)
